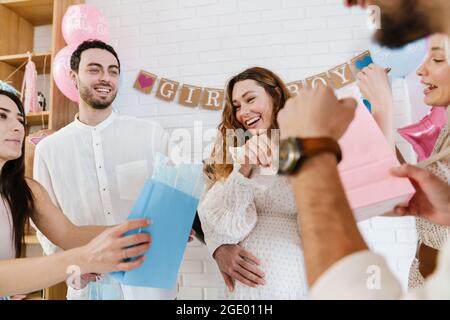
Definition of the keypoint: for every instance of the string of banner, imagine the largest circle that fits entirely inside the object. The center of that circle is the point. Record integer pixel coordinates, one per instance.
(213, 98)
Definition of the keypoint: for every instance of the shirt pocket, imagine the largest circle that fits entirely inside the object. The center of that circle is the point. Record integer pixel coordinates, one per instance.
(131, 178)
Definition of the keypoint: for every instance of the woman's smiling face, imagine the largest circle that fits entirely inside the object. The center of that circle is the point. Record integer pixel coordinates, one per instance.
(435, 73)
(253, 106)
(12, 130)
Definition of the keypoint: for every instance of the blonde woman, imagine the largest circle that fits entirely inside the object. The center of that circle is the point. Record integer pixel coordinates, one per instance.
(435, 74)
(244, 206)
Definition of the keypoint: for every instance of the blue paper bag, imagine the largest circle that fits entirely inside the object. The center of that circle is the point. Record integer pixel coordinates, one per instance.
(170, 200)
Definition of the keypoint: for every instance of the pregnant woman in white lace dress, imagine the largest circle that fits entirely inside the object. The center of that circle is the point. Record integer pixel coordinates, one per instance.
(245, 205)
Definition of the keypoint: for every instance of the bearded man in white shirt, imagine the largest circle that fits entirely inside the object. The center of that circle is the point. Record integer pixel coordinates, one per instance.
(95, 167)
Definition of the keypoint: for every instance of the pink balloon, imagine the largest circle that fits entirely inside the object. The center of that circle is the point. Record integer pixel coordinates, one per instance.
(61, 73)
(423, 135)
(82, 22)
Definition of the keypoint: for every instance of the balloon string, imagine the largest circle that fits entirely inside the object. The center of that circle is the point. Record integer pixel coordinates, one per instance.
(45, 92)
(15, 71)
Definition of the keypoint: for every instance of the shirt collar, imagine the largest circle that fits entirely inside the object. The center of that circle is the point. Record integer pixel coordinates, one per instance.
(105, 123)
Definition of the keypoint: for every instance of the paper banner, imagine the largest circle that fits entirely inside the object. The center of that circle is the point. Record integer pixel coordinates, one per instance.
(213, 99)
(190, 96)
(145, 82)
(320, 79)
(167, 89)
(295, 87)
(341, 76)
(362, 60)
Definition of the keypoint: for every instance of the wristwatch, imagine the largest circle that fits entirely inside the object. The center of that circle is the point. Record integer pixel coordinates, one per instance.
(294, 152)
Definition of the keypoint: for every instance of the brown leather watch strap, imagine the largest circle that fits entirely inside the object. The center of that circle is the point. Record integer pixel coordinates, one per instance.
(295, 151)
(313, 146)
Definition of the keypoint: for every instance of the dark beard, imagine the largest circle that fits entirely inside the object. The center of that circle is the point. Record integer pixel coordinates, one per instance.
(405, 25)
(87, 97)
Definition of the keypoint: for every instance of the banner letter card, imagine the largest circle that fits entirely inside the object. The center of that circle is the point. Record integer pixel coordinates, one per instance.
(213, 99)
(167, 89)
(145, 82)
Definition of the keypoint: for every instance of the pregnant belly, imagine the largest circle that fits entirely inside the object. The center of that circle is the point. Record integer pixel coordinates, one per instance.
(275, 241)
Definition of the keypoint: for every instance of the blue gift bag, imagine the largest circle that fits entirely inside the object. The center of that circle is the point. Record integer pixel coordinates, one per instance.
(169, 199)
(105, 288)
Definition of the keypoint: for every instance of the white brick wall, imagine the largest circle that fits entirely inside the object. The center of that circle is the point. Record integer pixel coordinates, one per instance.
(43, 38)
(43, 43)
(204, 42)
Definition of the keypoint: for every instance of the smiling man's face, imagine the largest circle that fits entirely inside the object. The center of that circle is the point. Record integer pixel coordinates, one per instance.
(97, 78)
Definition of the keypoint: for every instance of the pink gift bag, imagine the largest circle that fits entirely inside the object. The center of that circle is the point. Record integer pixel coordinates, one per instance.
(364, 170)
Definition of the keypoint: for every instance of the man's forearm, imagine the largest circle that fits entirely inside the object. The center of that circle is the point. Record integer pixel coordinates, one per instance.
(327, 226)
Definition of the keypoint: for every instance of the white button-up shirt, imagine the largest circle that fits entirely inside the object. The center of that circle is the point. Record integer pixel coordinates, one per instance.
(94, 174)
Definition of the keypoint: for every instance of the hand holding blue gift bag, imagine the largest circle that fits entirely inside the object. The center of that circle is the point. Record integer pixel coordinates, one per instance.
(169, 199)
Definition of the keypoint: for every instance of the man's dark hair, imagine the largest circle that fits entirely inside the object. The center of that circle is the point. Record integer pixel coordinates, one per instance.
(86, 45)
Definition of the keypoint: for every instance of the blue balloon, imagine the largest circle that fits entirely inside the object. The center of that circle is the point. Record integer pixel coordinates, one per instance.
(402, 61)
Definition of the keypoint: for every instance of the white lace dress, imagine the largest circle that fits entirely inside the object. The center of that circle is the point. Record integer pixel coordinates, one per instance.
(430, 234)
(260, 215)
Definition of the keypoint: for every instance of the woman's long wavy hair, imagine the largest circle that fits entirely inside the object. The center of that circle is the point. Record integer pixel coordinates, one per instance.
(15, 191)
(217, 167)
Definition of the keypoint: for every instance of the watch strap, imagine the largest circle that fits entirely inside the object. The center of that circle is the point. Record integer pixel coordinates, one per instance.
(314, 146)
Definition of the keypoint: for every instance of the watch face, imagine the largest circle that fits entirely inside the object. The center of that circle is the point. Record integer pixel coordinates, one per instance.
(289, 155)
(284, 151)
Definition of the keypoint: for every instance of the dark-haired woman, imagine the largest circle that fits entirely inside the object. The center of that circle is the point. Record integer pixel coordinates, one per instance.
(90, 249)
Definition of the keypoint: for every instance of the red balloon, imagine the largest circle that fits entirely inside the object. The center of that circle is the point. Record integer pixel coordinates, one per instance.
(423, 135)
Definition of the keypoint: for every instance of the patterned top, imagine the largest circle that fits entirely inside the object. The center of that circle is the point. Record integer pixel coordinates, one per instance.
(428, 233)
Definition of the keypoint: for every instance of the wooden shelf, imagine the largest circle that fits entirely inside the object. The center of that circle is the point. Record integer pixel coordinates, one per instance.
(31, 239)
(37, 12)
(35, 296)
(37, 118)
(39, 59)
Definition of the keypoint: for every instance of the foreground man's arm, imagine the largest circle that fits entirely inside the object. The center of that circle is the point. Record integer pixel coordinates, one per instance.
(327, 226)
